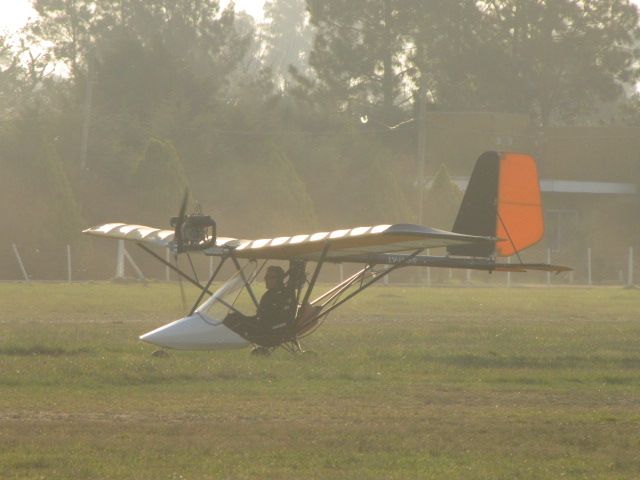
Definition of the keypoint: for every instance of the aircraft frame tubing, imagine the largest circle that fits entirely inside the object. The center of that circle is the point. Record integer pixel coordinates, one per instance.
(425, 261)
(247, 284)
(206, 288)
(363, 285)
(314, 277)
(175, 269)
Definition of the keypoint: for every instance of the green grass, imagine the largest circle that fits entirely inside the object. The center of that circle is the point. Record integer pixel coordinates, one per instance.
(473, 383)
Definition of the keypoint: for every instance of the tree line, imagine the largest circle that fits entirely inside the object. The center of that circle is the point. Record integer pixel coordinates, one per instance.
(110, 108)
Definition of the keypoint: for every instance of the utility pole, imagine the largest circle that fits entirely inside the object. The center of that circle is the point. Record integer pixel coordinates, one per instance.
(421, 154)
(86, 113)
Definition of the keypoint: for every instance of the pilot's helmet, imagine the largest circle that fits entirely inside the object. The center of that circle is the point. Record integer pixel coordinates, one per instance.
(276, 272)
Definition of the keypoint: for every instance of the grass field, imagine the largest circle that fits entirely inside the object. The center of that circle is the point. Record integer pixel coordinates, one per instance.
(460, 383)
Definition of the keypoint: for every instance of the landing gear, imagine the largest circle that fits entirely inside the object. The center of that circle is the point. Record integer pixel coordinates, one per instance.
(261, 351)
(291, 346)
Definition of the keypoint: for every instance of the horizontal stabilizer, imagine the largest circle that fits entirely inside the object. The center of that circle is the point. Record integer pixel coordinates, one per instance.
(525, 267)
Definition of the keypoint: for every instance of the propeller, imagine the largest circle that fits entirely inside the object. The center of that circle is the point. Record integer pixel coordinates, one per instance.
(178, 223)
(192, 232)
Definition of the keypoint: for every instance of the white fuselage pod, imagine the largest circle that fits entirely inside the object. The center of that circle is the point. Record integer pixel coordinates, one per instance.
(195, 332)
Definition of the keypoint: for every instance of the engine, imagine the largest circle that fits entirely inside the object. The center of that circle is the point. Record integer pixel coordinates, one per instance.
(194, 232)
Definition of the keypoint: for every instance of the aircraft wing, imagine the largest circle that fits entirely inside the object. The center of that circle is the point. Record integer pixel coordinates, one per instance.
(354, 242)
(138, 233)
(343, 243)
(148, 235)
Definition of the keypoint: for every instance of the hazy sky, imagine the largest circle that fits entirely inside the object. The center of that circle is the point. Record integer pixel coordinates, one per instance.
(14, 13)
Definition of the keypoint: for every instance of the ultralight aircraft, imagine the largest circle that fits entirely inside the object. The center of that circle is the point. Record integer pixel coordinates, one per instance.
(500, 215)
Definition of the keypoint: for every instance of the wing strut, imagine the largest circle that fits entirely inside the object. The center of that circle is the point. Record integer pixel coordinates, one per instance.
(312, 282)
(362, 286)
(247, 284)
(513, 245)
(206, 288)
(203, 289)
(174, 268)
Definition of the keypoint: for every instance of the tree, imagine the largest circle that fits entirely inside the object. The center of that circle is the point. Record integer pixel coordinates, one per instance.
(357, 54)
(159, 181)
(443, 42)
(69, 25)
(442, 201)
(351, 177)
(288, 38)
(143, 69)
(9, 71)
(553, 59)
(37, 198)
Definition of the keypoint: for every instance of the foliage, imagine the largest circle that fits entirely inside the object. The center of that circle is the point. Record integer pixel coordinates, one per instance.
(264, 120)
(357, 53)
(554, 59)
(35, 183)
(550, 59)
(70, 24)
(442, 201)
(158, 182)
(288, 39)
(8, 71)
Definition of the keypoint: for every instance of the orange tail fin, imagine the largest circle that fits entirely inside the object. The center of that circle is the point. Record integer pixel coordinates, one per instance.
(502, 200)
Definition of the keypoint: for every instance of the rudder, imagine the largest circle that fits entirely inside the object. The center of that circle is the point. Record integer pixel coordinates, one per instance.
(502, 200)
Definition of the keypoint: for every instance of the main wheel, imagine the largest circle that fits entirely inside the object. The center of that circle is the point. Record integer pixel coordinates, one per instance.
(261, 351)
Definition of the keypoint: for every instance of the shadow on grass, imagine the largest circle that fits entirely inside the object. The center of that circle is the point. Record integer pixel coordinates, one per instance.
(169, 376)
(42, 350)
(519, 361)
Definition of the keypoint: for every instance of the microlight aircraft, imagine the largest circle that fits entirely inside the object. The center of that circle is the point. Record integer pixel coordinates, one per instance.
(500, 215)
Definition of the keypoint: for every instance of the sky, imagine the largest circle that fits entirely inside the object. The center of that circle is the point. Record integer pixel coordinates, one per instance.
(15, 13)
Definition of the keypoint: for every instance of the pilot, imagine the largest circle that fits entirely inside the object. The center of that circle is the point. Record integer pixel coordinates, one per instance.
(276, 310)
(278, 304)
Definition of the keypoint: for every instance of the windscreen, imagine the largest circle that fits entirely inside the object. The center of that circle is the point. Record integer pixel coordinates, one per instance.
(217, 306)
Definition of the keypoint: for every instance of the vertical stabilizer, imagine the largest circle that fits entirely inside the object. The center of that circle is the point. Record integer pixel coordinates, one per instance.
(502, 200)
